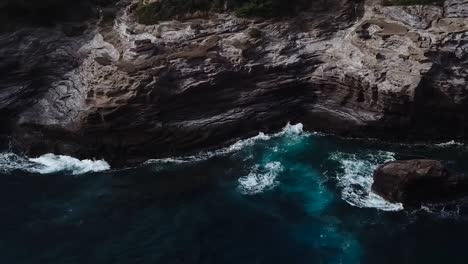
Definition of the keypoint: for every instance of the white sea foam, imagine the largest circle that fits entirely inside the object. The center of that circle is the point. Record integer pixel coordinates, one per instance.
(289, 130)
(209, 154)
(451, 143)
(297, 129)
(10, 161)
(50, 163)
(260, 178)
(441, 210)
(357, 178)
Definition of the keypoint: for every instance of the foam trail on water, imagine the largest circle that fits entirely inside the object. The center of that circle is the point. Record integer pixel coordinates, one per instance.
(50, 163)
(357, 178)
(260, 179)
(206, 155)
(10, 161)
(450, 144)
(292, 130)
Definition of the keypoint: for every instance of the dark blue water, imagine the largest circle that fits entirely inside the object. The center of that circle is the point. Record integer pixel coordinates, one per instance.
(292, 197)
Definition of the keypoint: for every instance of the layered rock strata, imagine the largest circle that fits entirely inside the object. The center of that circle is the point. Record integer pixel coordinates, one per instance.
(127, 92)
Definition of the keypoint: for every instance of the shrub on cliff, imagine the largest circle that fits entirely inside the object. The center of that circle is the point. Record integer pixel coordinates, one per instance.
(175, 9)
(412, 2)
(269, 8)
(151, 13)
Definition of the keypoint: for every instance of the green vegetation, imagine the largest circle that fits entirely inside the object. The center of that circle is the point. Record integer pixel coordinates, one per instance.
(412, 2)
(269, 8)
(180, 9)
(260, 8)
(175, 9)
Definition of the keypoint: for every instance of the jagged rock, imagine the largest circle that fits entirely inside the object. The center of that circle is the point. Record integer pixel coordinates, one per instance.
(413, 182)
(456, 8)
(351, 68)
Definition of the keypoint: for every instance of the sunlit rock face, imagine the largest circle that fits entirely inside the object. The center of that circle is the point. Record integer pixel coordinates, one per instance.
(39, 41)
(125, 91)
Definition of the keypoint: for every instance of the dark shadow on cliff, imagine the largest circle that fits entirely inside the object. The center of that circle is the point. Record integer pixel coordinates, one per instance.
(47, 12)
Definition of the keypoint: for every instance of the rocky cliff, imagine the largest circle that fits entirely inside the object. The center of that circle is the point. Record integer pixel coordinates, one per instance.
(126, 92)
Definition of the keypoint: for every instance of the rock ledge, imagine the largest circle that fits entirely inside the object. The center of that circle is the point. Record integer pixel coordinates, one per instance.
(413, 182)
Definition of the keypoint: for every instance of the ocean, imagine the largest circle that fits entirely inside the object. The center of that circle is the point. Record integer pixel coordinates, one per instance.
(289, 197)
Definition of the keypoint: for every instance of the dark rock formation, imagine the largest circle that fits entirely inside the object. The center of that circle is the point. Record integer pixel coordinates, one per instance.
(413, 182)
(47, 12)
(128, 92)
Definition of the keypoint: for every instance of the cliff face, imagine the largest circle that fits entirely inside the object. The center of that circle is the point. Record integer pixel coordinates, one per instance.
(128, 92)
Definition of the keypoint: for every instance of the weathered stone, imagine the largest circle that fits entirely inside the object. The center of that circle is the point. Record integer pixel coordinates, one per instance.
(413, 182)
(350, 68)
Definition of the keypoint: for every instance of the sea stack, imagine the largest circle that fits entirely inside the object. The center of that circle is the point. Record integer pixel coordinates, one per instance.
(413, 182)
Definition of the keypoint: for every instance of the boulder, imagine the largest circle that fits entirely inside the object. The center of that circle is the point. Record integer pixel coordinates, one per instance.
(413, 182)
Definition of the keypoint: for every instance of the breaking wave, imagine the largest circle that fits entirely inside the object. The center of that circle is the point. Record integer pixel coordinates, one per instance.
(260, 178)
(50, 163)
(357, 178)
(451, 143)
(290, 130)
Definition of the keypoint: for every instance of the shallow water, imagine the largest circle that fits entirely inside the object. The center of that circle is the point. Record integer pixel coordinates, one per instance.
(292, 197)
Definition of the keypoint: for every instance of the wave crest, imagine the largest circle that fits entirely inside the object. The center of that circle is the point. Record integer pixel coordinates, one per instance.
(289, 130)
(50, 163)
(450, 144)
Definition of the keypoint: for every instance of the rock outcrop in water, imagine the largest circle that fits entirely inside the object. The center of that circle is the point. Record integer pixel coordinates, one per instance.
(126, 92)
(413, 182)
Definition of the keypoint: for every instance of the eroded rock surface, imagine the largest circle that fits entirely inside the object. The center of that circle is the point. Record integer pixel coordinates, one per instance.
(128, 92)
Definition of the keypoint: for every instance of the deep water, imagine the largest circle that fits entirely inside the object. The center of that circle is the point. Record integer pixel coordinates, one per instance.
(292, 197)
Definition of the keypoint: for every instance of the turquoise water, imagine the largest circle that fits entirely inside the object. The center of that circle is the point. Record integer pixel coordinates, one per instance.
(291, 197)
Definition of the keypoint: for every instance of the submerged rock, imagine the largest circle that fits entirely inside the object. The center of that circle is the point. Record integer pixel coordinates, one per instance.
(413, 182)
